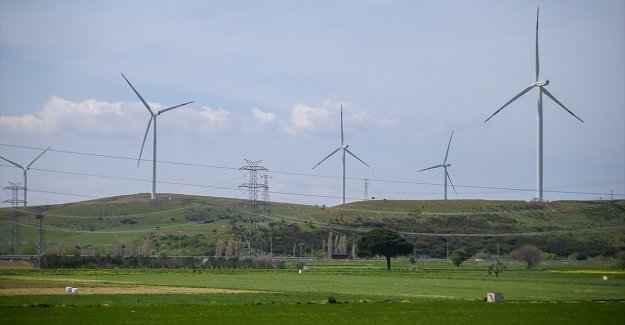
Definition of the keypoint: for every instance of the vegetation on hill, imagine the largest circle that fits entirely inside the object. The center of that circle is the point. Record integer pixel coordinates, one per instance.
(209, 226)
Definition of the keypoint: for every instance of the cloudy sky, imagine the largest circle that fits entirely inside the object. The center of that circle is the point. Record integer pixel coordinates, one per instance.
(268, 78)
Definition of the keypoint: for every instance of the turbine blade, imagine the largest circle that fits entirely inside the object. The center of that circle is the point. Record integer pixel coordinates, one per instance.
(448, 145)
(41, 154)
(349, 152)
(14, 163)
(145, 137)
(136, 92)
(342, 137)
(450, 182)
(558, 102)
(429, 168)
(170, 108)
(328, 156)
(513, 99)
(537, 61)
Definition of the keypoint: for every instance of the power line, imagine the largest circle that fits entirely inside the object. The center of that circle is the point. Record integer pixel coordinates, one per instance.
(272, 192)
(507, 189)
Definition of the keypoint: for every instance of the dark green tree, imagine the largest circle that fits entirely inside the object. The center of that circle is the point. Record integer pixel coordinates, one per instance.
(383, 242)
(529, 254)
(458, 256)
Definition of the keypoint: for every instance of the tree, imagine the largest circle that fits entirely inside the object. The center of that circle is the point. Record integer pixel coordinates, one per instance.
(458, 256)
(529, 254)
(496, 268)
(383, 242)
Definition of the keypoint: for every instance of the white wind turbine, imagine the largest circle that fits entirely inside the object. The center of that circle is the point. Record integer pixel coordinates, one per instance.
(153, 116)
(541, 85)
(444, 165)
(25, 169)
(344, 148)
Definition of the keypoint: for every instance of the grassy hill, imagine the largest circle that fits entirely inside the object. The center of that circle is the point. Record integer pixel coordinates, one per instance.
(197, 225)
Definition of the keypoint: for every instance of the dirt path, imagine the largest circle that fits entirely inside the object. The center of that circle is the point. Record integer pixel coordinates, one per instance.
(116, 290)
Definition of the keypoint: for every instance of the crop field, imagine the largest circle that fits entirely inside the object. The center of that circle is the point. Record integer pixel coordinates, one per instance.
(354, 292)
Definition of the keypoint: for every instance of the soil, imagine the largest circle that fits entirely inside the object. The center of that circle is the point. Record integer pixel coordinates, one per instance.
(117, 290)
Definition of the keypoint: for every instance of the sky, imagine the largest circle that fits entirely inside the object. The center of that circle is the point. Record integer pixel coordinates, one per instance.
(268, 79)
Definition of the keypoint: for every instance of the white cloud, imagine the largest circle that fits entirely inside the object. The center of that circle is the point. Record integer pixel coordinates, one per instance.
(264, 117)
(326, 118)
(213, 121)
(63, 116)
(100, 118)
(305, 119)
(92, 118)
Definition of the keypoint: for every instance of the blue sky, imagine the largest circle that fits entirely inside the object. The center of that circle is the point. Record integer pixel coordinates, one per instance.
(268, 78)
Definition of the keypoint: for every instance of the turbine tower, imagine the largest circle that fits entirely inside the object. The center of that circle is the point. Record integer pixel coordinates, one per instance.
(541, 85)
(344, 148)
(444, 165)
(25, 169)
(153, 116)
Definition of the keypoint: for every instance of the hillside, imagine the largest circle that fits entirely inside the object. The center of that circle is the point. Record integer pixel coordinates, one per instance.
(197, 225)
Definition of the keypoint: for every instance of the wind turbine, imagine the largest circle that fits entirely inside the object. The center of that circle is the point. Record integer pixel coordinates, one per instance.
(153, 116)
(541, 85)
(344, 148)
(444, 165)
(25, 169)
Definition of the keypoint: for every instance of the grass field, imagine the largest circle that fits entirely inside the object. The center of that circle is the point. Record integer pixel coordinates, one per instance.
(365, 293)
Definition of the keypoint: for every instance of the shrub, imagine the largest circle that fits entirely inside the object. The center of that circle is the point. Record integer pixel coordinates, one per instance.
(496, 268)
(458, 256)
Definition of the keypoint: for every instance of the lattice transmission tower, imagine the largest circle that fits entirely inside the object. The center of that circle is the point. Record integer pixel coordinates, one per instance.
(15, 242)
(255, 208)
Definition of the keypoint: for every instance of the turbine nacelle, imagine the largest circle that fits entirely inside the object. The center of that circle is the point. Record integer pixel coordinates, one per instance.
(541, 83)
(345, 146)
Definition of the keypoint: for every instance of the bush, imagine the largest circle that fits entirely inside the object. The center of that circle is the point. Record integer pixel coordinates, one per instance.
(496, 268)
(458, 256)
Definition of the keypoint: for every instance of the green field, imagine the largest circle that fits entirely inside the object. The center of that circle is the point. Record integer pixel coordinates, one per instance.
(365, 293)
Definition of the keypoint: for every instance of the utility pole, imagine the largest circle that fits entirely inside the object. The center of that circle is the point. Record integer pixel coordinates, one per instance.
(270, 242)
(40, 240)
(266, 200)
